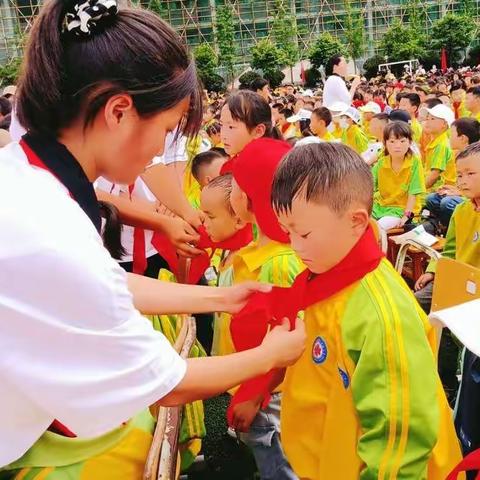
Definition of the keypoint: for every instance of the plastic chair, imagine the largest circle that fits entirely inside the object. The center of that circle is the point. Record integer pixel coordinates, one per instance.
(417, 253)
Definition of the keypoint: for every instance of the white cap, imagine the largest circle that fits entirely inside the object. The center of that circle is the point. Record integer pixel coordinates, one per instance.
(9, 90)
(371, 107)
(443, 112)
(303, 114)
(352, 113)
(337, 108)
(308, 93)
(308, 141)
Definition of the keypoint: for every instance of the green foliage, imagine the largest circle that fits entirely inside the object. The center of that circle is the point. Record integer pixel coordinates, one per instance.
(268, 58)
(354, 30)
(284, 33)
(225, 37)
(371, 65)
(248, 78)
(157, 6)
(207, 63)
(417, 14)
(10, 71)
(402, 42)
(325, 47)
(467, 7)
(454, 33)
(473, 57)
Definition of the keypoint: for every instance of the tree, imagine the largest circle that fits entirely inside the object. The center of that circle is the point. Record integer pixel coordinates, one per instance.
(267, 58)
(207, 62)
(285, 34)
(10, 71)
(454, 33)
(402, 42)
(324, 48)
(371, 65)
(354, 31)
(225, 36)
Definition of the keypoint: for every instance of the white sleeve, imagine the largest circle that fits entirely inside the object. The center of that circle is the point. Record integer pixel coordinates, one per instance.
(77, 347)
(175, 149)
(336, 91)
(16, 130)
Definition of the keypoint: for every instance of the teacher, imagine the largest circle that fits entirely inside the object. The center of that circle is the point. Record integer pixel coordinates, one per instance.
(79, 365)
(335, 90)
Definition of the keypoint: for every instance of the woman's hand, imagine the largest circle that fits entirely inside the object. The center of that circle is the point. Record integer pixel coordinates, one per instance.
(194, 217)
(182, 235)
(235, 298)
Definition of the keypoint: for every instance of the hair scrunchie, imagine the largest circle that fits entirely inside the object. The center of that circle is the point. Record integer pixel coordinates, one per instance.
(83, 19)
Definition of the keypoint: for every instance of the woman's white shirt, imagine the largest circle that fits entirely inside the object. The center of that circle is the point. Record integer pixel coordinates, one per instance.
(72, 345)
(335, 90)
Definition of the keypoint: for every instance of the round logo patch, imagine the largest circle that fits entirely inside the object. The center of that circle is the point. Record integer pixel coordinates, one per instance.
(319, 350)
(345, 378)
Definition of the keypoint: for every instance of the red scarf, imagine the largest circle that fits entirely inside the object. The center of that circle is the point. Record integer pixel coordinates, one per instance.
(249, 327)
(470, 463)
(200, 263)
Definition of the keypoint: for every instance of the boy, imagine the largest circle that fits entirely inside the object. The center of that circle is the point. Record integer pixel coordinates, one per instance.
(271, 260)
(473, 102)
(410, 102)
(439, 160)
(368, 111)
(355, 405)
(320, 120)
(206, 166)
(377, 126)
(353, 135)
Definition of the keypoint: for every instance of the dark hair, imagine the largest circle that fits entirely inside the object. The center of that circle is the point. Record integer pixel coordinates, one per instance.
(225, 183)
(278, 106)
(399, 115)
(399, 96)
(384, 117)
(323, 113)
(432, 102)
(258, 84)
(413, 98)
(287, 112)
(220, 150)
(66, 77)
(332, 62)
(473, 149)
(213, 128)
(474, 91)
(329, 173)
(470, 127)
(204, 159)
(476, 80)
(6, 121)
(251, 109)
(5, 106)
(458, 85)
(397, 129)
(112, 230)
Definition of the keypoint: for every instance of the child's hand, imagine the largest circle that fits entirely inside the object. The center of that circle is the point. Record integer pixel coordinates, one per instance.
(244, 413)
(424, 280)
(284, 347)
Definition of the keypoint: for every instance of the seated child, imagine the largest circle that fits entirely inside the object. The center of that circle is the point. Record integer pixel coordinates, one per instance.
(320, 120)
(207, 165)
(353, 135)
(410, 102)
(398, 177)
(356, 404)
(271, 260)
(377, 126)
(367, 113)
(213, 132)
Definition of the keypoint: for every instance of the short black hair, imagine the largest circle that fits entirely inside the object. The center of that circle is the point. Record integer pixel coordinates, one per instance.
(213, 128)
(384, 117)
(474, 91)
(5, 106)
(470, 127)
(329, 173)
(204, 159)
(287, 112)
(278, 106)
(323, 113)
(225, 183)
(413, 98)
(332, 62)
(473, 149)
(258, 84)
(432, 102)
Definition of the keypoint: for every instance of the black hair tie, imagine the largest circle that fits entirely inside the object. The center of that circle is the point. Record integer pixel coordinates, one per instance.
(84, 18)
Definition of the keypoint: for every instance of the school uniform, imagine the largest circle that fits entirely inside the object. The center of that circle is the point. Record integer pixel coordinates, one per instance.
(439, 156)
(355, 138)
(68, 330)
(328, 137)
(393, 188)
(416, 130)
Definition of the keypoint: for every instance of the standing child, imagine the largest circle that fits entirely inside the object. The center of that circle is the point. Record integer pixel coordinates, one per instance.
(399, 179)
(356, 404)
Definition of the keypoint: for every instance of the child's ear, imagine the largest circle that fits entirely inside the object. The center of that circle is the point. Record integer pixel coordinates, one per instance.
(360, 220)
(208, 179)
(260, 130)
(239, 223)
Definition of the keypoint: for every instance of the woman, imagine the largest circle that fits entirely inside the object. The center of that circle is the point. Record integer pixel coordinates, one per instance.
(100, 90)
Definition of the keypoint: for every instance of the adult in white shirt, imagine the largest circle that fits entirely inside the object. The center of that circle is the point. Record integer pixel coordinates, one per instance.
(335, 90)
(76, 356)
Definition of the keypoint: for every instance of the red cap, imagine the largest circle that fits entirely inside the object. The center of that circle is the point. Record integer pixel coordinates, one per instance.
(253, 170)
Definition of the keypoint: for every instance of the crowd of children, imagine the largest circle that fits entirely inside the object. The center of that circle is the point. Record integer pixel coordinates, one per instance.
(269, 187)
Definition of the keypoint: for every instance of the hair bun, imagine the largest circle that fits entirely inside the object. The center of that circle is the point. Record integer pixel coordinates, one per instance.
(83, 18)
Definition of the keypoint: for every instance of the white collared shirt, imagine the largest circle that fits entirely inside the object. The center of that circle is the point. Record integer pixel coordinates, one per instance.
(72, 345)
(335, 90)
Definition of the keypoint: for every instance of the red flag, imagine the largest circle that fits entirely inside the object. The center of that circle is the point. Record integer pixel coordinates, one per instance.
(443, 61)
(302, 73)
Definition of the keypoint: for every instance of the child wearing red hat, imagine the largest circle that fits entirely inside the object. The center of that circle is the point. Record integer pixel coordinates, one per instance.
(269, 260)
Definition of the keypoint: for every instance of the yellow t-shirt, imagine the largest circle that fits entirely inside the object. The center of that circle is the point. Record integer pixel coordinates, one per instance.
(355, 138)
(328, 137)
(439, 156)
(417, 131)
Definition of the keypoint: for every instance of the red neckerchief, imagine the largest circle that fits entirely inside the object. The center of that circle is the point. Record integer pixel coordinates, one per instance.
(456, 109)
(227, 167)
(469, 463)
(201, 262)
(34, 159)
(264, 310)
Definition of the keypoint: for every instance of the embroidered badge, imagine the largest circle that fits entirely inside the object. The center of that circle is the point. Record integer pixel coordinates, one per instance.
(345, 378)
(319, 350)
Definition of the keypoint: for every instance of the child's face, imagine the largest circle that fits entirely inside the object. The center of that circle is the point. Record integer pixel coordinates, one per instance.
(468, 176)
(208, 172)
(316, 124)
(239, 201)
(471, 101)
(235, 135)
(219, 223)
(376, 128)
(457, 142)
(407, 106)
(398, 147)
(367, 116)
(319, 236)
(434, 125)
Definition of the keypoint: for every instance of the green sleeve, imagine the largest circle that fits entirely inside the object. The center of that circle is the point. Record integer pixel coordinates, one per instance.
(394, 384)
(417, 179)
(441, 156)
(280, 270)
(450, 248)
(375, 169)
(361, 141)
